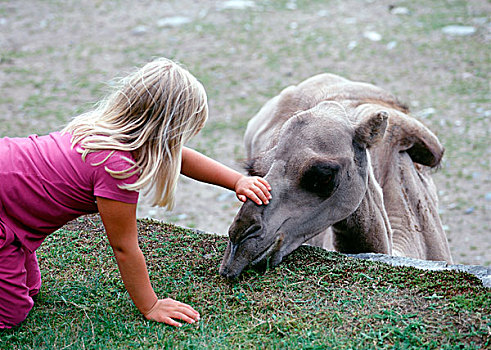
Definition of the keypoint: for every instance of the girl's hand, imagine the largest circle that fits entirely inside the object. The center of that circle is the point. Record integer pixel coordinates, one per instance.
(165, 310)
(253, 187)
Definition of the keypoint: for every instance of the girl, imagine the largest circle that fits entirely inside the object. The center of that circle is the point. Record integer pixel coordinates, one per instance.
(133, 140)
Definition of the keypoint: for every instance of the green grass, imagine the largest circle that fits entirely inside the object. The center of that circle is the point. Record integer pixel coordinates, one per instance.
(315, 299)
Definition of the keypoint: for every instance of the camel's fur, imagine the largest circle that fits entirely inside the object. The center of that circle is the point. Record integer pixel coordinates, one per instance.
(348, 167)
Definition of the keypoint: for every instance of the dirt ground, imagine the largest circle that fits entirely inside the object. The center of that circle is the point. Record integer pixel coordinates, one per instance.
(57, 58)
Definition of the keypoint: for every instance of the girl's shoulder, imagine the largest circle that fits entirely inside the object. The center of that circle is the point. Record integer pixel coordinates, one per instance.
(113, 159)
(99, 164)
(106, 156)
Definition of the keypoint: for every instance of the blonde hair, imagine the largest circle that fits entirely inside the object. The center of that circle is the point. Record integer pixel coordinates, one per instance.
(152, 113)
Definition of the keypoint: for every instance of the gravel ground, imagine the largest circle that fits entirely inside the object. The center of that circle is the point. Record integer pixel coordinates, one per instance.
(56, 58)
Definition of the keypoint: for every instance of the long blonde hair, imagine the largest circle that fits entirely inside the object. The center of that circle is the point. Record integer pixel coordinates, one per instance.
(152, 113)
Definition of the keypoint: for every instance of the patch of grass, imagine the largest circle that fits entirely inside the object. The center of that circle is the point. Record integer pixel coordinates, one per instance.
(314, 299)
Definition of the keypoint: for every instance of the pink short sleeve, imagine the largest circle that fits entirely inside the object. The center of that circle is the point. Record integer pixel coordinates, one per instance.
(107, 186)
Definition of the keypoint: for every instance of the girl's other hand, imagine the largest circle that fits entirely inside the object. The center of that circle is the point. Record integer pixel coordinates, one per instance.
(166, 310)
(253, 187)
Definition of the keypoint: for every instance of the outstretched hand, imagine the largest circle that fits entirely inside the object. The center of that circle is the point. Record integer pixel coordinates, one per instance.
(166, 310)
(253, 187)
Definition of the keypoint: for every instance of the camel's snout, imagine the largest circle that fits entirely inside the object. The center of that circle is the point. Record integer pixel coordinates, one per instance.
(230, 268)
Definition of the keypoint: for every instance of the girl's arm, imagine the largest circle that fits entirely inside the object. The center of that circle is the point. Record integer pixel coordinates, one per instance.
(119, 220)
(202, 168)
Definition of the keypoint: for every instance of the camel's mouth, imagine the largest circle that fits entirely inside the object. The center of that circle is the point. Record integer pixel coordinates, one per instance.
(231, 266)
(273, 248)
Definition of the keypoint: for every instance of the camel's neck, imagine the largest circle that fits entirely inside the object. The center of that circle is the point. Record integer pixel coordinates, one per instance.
(412, 207)
(368, 228)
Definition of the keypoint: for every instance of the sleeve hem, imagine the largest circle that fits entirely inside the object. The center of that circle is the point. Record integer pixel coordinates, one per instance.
(130, 198)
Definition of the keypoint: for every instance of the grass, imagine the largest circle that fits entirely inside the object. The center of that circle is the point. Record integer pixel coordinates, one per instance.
(315, 299)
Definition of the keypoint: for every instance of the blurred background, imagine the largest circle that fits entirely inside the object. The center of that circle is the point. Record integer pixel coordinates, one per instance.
(58, 58)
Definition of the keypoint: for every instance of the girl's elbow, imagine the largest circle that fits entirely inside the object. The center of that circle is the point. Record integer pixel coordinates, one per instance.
(124, 253)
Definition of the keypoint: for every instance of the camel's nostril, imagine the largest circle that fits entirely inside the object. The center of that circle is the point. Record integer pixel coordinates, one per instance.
(253, 231)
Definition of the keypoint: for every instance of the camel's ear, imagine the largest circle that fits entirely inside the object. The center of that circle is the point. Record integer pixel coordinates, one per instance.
(417, 140)
(371, 129)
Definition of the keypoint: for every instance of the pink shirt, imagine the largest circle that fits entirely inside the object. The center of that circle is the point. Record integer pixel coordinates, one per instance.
(44, 184)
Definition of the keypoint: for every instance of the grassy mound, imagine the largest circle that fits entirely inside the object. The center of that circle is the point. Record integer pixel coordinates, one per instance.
(315, 299)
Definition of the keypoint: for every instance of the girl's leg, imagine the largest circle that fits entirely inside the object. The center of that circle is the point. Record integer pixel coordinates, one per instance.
(15, 302)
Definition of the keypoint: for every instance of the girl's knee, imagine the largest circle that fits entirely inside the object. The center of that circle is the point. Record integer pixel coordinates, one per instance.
(20, 279)
(15, 299)
(13, 312)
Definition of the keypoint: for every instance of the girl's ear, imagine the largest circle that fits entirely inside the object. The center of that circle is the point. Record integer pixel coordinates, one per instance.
(371, 128)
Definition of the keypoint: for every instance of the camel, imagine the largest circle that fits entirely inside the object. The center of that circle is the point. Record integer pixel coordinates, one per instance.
(349, 167)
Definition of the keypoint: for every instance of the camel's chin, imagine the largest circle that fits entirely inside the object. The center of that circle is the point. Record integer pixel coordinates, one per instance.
(270, 261)
(264, 264)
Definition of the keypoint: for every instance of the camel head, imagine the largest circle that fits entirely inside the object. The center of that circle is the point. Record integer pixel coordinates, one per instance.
(317, 165)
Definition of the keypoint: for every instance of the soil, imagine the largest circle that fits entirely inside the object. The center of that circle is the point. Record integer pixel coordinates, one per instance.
(57, 56)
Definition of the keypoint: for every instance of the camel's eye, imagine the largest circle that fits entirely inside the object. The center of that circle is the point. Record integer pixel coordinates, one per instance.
(320, 178)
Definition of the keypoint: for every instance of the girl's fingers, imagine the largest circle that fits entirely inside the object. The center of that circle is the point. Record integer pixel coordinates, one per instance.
(168, 310)
(265, 183)
(188, 311)
(261, 195)
(183, 317)
(253, 197)
(255, 188)
(171, 322)
(263, 189)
